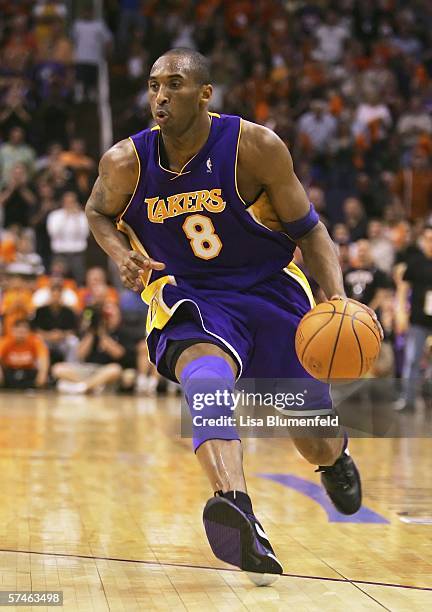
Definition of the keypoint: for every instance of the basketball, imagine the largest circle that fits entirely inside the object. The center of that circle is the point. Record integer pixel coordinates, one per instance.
(337, 340)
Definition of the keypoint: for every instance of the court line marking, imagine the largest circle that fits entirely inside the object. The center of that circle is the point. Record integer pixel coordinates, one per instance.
(209, 567)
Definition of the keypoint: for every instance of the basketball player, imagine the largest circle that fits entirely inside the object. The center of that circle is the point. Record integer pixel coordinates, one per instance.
(213, 211)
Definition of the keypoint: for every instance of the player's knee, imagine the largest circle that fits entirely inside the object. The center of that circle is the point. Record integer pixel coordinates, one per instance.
(202, 349)
(208, 384)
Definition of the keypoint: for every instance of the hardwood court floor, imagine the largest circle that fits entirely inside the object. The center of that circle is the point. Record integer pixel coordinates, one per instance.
(101, 499)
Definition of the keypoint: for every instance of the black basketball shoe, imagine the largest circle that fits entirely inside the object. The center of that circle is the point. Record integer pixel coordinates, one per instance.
(236, 536)
(342, 483)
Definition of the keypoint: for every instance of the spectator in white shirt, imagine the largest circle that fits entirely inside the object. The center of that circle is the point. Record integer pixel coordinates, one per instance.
(413, 123)
(317, 127)
(68, 231)
(331, 37)
(372, 118)
(92, 40)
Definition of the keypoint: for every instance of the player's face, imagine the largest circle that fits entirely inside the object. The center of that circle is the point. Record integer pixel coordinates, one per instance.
(175, 97)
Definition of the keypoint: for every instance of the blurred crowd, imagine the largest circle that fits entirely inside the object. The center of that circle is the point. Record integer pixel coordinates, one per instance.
(62, 323)
(347, 84)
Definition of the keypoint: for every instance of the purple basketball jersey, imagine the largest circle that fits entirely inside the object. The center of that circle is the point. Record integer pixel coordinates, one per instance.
(195, 221)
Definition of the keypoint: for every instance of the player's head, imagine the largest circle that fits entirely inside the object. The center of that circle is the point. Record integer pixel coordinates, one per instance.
(179, 89)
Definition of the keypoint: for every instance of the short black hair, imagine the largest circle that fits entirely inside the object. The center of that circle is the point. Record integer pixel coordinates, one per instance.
(200, 65)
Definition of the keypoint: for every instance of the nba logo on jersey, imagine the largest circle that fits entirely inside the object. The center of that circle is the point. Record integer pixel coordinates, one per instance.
(209, 166)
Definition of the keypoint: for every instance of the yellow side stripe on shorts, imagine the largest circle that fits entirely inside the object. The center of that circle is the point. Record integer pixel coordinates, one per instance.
(295, 273)
(158, 313)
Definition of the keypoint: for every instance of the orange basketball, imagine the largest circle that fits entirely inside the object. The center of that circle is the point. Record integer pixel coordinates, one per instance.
(336, 340)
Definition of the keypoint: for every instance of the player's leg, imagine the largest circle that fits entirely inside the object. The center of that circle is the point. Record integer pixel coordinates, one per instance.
(320, 451)
(339, 474)
(234, 533)
(222, 460)
(286, 301)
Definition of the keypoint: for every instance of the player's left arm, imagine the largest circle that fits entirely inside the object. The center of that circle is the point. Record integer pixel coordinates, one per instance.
(266, 158)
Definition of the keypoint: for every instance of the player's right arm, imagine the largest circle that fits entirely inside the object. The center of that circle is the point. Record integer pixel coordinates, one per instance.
(118, 176)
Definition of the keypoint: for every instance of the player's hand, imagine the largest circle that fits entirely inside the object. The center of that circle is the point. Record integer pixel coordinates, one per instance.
(368, 310)
(133, 266)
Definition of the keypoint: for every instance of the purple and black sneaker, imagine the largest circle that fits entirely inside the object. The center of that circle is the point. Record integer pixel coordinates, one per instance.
(237, 537)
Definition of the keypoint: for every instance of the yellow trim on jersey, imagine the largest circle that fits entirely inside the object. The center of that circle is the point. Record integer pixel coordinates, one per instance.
(295, 273)
(214, 115)
(120, 216)
(235, 163)
(181, 173)
(155, 127)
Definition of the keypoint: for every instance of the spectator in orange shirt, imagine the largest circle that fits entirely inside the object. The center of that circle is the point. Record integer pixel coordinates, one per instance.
(413, 186)
(81, 164)
(16, 303)
(24, 361)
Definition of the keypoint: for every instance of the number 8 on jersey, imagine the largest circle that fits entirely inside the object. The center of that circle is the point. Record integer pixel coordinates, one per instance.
(204, 241)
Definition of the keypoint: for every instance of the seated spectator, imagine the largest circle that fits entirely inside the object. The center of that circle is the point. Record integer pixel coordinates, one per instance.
(372, 118)
(58, 276)
(57, 325)
(316, 128)
(363, 281)
(8, 241)
(413, 123)
(24, 360)
(340, 233)
(413, 186)
(96, 289)
(19, 44)
(14, 109)
(61, 179)
(16, 301)
(81, 164)
(15, 151)
(49, 160)
(134, 313)
(26, 261)
(17, 198)
(402, 239)
(68, 231)
(100, 353)
(355, 218)
(381, 246)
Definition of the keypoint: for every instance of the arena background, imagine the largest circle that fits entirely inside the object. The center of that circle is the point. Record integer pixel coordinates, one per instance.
(347, 85)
